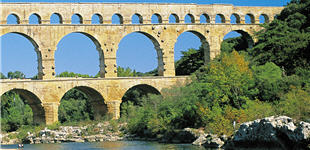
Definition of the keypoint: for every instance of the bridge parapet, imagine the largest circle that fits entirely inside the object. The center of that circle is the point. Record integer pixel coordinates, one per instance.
(125, 11)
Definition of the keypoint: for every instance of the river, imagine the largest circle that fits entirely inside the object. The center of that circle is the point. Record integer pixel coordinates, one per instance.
(118, 145)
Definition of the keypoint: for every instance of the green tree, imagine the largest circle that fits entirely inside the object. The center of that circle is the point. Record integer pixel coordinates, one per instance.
(286, 40)
(2, 76)
(122, 72)
(16, 75)
(268, 78)
(237, 43)
(14, 112)
(296, 104)
(191, 61)
(227, 80)
(72, 74)
(74, 107)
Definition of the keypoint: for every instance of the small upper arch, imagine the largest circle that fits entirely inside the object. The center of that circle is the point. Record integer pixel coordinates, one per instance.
(117, 19)
(76, 19)
(220, 18)
(249, 18)
(174, 18)
(12, 19)
(263, 18)
(204, 18)
(136, 19)
(189, 18)
(96, 19)
(156, 18)
(34, 19)
(56, 18)
(235, 18)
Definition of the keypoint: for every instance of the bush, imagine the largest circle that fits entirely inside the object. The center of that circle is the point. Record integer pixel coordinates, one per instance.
(296, 104)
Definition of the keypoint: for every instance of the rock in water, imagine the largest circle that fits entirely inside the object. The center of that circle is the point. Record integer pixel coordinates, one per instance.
(273, 132)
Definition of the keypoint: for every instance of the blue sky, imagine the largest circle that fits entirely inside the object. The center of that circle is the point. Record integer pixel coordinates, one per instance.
(77, 53)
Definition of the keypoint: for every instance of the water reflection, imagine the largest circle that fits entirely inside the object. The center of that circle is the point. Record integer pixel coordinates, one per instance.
(119, 145)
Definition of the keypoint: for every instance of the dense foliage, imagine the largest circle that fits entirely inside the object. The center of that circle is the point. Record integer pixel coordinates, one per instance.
(14, 113)
(74, 107)
(286, 40)
(190, 61)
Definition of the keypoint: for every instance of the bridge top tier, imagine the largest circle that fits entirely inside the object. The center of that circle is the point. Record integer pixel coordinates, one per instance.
(126, 10)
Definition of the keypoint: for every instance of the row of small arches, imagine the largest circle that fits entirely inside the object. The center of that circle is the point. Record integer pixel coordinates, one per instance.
(138, 19)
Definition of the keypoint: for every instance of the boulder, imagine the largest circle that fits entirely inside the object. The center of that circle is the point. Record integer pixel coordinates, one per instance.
(280, 132)
(187, 135)
(209, 141)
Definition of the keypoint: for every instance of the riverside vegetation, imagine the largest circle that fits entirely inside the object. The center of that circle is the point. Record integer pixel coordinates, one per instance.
(240, 85)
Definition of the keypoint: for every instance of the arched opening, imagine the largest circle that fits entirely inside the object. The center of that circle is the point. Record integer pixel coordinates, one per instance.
(134, 96)
(189, 18)
(234, 19)
(238, 40)
(219, 18)
(204, 18)
(249, 19)
(263, 18)
(76, 19)
(191, 51)
(81, 103)
(34, 19)
(174, 18)
(156, 18)
(143, 59)
(96, 19)
(56, 18)
(20, 107)
(15, 56)
(117, 19)
(12, 19)
(136, 19)
(79, 60)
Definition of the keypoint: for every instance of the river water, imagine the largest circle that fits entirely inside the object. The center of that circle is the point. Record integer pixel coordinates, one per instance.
(118, 145)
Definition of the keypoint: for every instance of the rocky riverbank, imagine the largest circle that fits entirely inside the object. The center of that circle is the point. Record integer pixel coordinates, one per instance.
(271, 132)
(90, 133)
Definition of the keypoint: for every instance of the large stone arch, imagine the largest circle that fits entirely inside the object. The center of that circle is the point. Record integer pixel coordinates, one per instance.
(95, 40)
(157, 47)
(36, 49)
(145, 89)
(204, 43)
(33, 101)
(245, 34)
(148, 88)
(95, 98)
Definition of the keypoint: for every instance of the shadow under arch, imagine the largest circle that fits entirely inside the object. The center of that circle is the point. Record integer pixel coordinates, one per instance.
(95, 99)
(160, 66)
(204, 44)
(36, 49)
(98, 47)
(135, 93)
(245, 36)
(34, 102)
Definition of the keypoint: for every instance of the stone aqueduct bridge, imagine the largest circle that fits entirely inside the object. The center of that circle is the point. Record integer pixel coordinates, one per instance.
(105, 93)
